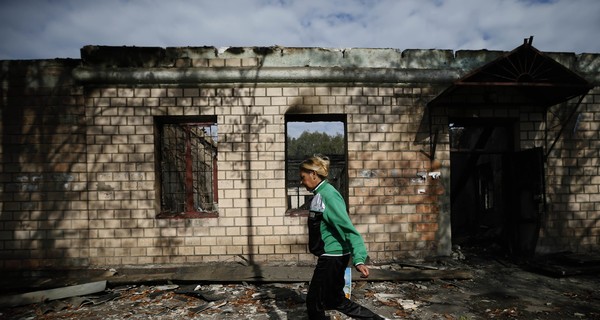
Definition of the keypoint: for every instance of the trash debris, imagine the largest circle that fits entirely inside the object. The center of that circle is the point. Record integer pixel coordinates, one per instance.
(493, 291)
(167, 287)
(204, 294)
(457, 253)
(202, 307)
(408, 304)
(53, 306)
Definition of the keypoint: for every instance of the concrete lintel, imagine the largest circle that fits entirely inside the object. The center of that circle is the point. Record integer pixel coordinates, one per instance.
(260, 75)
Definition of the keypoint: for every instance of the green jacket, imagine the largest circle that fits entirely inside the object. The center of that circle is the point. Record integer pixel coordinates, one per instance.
(330, 230)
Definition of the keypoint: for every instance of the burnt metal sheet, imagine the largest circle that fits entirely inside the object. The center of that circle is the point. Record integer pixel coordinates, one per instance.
(523, 77)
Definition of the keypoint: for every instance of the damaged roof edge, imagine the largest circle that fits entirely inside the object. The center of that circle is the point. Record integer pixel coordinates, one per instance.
(110, 57)
(152, 57)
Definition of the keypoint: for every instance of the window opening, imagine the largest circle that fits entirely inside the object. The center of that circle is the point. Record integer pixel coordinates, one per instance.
(307, 135)
(187, 168)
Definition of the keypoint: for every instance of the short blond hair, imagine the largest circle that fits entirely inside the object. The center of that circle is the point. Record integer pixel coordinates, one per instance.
(318, 164)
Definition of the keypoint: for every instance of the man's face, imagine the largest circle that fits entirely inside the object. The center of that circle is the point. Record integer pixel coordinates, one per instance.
(309, 179)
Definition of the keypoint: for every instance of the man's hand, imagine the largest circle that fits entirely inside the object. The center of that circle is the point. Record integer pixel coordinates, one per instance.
(364, 271)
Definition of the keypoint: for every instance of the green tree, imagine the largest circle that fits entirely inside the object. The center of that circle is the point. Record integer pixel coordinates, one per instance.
(309, 143)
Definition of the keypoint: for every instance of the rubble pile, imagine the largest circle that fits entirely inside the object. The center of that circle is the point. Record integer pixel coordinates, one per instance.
(211, 301)
(497, 290)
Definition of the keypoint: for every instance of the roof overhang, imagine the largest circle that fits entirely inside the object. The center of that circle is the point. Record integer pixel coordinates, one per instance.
(522, 77)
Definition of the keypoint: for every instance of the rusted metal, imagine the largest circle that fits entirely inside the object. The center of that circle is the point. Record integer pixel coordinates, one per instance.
(189, 174)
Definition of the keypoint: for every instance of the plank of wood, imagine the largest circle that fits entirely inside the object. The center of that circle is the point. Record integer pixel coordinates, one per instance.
(230, 273)
(140, 277)
(52, 294)
(416, 275)
(418, 266)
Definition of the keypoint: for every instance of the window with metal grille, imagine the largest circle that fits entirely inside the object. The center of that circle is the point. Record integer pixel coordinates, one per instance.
(187, 167)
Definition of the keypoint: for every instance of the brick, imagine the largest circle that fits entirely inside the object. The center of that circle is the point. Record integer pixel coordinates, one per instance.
(232, 62)
(274, 92)
(125, 92)
(216, 62)
(249, 62)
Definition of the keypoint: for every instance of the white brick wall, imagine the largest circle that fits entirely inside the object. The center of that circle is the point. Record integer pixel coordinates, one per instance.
(104, 212)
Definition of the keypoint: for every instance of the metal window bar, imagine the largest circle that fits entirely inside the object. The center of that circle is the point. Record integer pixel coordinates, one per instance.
(188, 168)
(299, 197)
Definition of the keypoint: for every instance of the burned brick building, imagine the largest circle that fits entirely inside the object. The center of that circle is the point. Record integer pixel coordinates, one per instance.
(143, 155)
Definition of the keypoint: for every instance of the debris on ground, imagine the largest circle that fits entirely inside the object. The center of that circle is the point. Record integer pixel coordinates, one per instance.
(496, 289)
(52, 294)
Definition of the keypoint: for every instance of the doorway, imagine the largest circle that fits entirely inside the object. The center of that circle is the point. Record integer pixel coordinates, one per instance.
(496, 190)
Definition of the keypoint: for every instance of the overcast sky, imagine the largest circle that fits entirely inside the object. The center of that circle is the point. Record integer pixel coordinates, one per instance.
(43, 29)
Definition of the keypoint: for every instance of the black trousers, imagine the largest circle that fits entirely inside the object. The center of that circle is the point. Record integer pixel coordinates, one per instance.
(326, 291)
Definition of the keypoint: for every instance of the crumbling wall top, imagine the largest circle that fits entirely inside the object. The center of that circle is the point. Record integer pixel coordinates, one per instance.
(276, 56)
